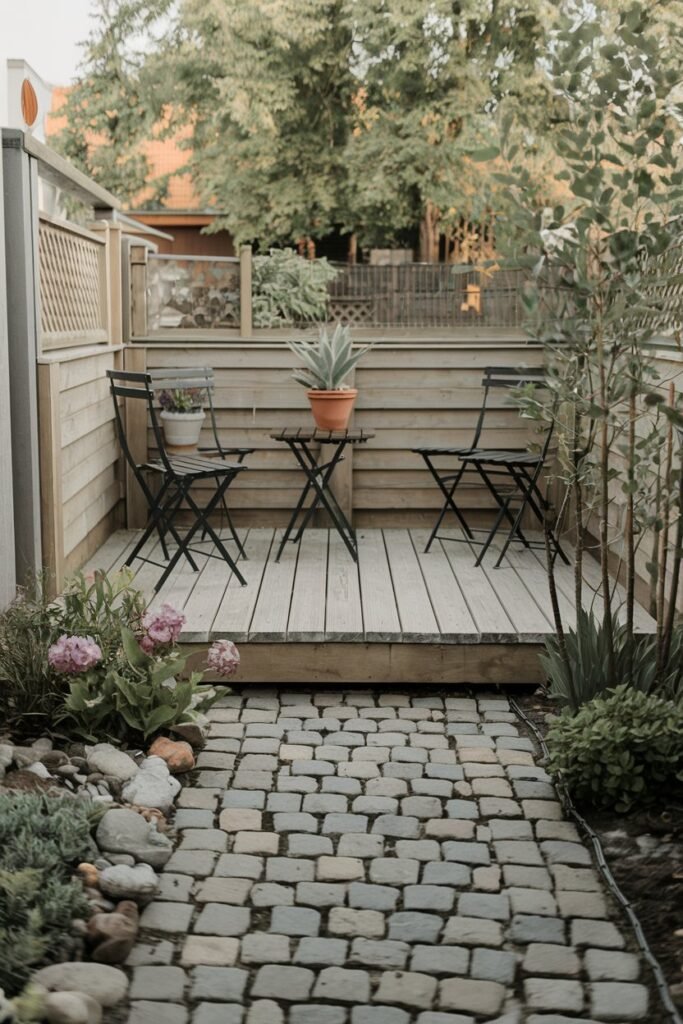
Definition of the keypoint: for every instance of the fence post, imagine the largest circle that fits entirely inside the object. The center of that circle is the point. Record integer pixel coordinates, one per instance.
(136, 432)
(7, 550)
(138, 291)
(52, 519)
(245, 291)
(20, 173)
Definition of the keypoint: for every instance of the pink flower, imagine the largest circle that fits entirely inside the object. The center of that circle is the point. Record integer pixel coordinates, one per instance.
(223, 657)
(74, 654)
(162, 628)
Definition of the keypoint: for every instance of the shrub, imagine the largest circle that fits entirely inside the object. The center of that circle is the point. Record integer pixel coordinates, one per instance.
(135, 694)
(588, 647)
(30, 693)
(288, 289)
(41, 841)
(619, 749)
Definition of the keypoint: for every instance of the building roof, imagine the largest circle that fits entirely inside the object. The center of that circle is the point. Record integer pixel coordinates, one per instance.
(165, 157)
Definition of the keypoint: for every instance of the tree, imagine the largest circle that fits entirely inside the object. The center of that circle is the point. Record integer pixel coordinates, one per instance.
(309, 115)
(119, 100)
(607, 265)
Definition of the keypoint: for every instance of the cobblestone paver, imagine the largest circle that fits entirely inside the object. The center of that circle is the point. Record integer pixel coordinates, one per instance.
(378, 858)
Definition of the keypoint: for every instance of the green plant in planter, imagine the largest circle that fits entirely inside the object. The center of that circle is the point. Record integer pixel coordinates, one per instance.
(620, 749)
(328, 360)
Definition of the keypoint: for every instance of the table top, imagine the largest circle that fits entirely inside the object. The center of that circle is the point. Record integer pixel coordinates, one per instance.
(352, 435)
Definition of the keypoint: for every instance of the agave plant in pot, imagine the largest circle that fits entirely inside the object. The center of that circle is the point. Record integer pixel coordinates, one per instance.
(328, 360)
(182, 416)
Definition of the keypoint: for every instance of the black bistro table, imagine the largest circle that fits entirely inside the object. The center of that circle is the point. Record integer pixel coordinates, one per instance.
(319, 477)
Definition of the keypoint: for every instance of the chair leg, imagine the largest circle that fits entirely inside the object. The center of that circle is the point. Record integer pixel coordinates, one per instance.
(203, 521)
(449, 502)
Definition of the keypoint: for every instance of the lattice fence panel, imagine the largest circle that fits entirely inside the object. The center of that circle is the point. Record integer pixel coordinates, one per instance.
(70, 282)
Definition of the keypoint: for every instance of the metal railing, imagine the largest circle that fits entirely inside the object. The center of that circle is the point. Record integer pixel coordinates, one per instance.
(425, 295)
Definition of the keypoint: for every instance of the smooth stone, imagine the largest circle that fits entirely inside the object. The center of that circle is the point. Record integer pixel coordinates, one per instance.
(124, 831)
(108, 760)
(153, 786)
(72, 1008)
(176, 753)
(121, 882)
(108, 985)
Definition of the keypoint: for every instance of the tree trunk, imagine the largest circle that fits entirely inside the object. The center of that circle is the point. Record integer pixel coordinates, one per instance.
(429, 234)
(352, 255)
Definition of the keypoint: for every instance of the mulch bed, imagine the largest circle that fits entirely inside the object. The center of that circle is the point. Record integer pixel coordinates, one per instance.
(644, 850)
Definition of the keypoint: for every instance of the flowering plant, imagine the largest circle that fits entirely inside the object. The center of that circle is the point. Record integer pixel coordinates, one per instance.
(181, 399)
(126, 677)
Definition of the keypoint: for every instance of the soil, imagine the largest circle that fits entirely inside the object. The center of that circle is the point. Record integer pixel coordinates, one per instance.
(644, 850)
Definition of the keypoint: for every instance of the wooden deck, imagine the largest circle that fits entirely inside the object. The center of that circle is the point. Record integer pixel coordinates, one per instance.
(399, 615)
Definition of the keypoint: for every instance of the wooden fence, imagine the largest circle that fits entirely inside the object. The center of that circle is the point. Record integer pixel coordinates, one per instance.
(81, 481)
(410, 393)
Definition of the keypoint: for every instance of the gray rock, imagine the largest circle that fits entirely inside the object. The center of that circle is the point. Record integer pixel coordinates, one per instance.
(146, 1011)
(72, 1008)
(275, 982)
(125, 831)
(316, 1013)
(616, 1001)
(121, 882)
(108, 760)
(152, 786)
(341, 985)
(385, 954)
(6, 755)
(410, 926)
(108, 985)
(220, 983)
(39, 769)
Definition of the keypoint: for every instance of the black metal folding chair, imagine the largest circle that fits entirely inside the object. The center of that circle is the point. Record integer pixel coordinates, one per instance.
(447, 478)
(176, 475)
(202, 378)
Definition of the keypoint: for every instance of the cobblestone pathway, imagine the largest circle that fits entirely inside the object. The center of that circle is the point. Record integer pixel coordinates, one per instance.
(375, 858)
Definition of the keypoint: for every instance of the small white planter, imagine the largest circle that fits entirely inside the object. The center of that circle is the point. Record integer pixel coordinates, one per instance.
(182, 429)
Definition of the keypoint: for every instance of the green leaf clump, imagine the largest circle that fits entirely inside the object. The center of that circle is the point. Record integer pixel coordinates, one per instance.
(327, 360)
(42, 839)
(288, 289)
(619, 750)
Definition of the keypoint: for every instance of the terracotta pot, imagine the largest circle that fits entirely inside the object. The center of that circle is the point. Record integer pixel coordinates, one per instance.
(332, 409)
(182, 429)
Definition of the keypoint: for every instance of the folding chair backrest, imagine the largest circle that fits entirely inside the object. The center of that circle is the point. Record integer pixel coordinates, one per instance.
(199, 377)
(126, 384)
(497, 377)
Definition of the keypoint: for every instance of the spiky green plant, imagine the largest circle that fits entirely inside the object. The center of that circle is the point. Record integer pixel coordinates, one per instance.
(328, 360)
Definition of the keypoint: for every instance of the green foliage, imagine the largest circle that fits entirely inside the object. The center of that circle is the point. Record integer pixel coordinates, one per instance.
(328, 360)
(595, 658)
(41, 841)
(30, 693)
(288, 289)
(619, 750)
(119, 100)
(135, 694)
(310, 115)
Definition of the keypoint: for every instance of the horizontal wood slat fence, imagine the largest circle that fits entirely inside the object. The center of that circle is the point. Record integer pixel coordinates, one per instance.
(410, 394)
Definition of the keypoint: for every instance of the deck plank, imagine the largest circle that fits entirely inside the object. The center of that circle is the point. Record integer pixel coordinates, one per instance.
(201, 606)
(307, 612)
(418, 621)
(344, 618)
(271, 612)
(534, 576)
(380, 614)
(113, 553)
(492, 621)
(455, 620)
(525, 614)
(236, 609)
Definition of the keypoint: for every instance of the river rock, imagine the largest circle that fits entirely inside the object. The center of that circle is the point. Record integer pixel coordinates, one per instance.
(153, 786)
(113, 935)
(108, 985)
(176, 753)
(123, 831)
(121, 882)
(42, 746)
(195, 732)
(72, 1008)
(40, 770)
(53, 759)
(6, 755)
(105, 759)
